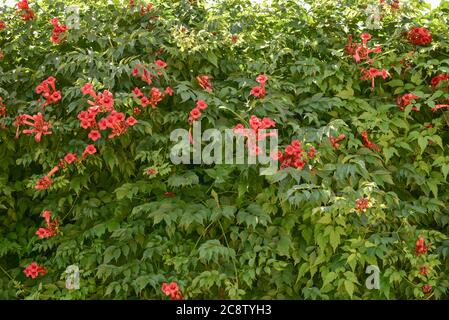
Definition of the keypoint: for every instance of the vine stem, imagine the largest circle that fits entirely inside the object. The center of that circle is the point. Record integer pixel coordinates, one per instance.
(233, 259)
(70, 210)
(235, 113)
(6, 272)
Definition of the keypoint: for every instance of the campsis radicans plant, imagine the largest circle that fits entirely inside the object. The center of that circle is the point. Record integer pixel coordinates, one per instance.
(155, 96)
(2, 108)
(438, 79)
(420, 246)
(47, 89)
(369, 144)
(372, 73)
(362, 204)
(426, 288)
(260, 91)
(441, 106)
(172, 290)
(423, 270)
(117, 122)
(253, 133)
(148, 73)
(52, 226)
(293, 156)
(204, 82)
(104, 102)
(145, 10)
(360, 51)
(195, 114)
(59, 30)
(33, 270)
(2, 25)
(38, 126)
(419, 36)
(406, 99)
(394, 5)
(335, 140)
(25, 11)
(46, 182)
(143, 73)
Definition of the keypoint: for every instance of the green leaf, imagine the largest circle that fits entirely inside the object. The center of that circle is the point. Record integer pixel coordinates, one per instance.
(423, 143)
(349, 286)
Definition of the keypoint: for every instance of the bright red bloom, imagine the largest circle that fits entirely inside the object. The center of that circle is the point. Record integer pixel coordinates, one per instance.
(254, 122)
(103, 124)
(169, 91)
(138, 92)
(43, 233)
(372, 73)
(38, 127)
(58, 31)
(289, 150)
(103, 101)
(88, 88)
(267, 123)
(423, 270)
(238, 128)
(135, 72)
(90, 149)
(394, 4)
(43, 183)
(205, 83)
(70, 158)
(439, 78)
(311, 153)
(131, 121)
(253, 134)
(407, 99)
(369, 144)
(195, 114)
(160, 63)
(420, 246)
(360, 51)
(94, 135)
(172, 290)
(426, 288)
(335, 141)
(155, 97)
(2, 108)
(365, 37)
(201, 104)
(144, 10)
(258, 92)
(2, 25)
(25, 11)
(23, 5)
(293, 156)
(419, 36)
(151, 171)
(362, 204)
(33, 270)
(262, 79)
(47, 89)
(52, 226)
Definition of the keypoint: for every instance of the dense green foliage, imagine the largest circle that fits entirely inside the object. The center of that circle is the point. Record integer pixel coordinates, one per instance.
(228, 232)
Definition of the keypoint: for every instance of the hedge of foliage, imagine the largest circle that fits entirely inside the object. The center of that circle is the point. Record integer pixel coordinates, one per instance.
(85, 175)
